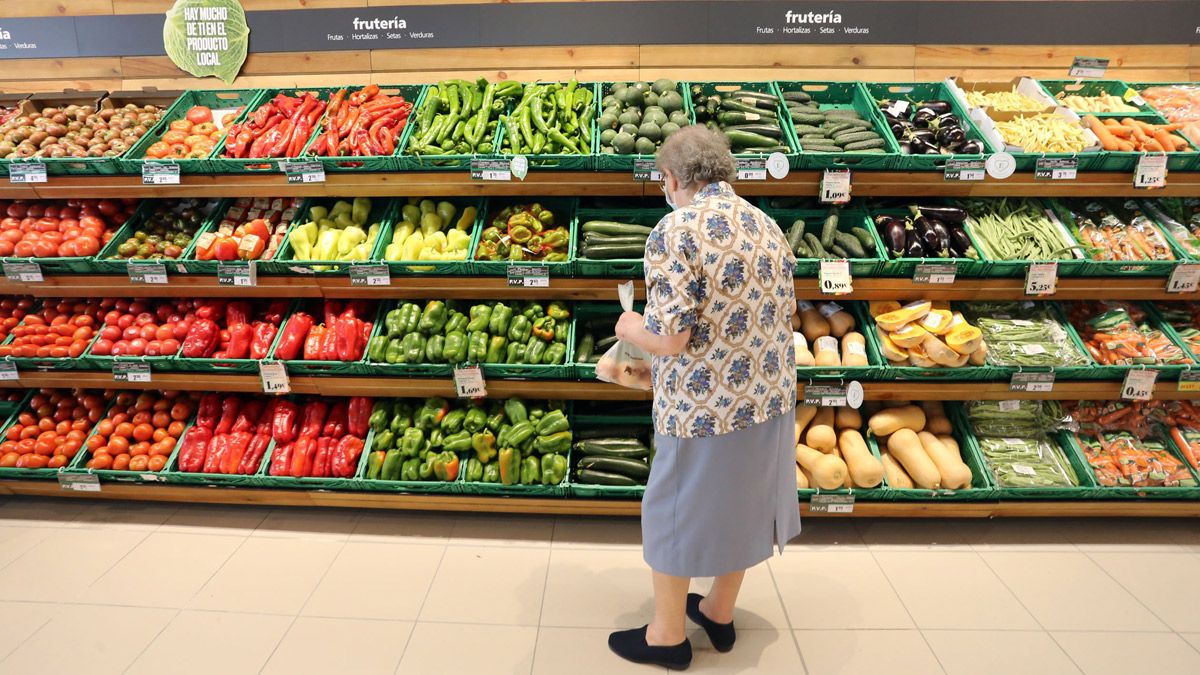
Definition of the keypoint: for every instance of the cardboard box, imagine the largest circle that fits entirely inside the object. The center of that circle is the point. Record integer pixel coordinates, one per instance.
(1024, 85)
(987, 126)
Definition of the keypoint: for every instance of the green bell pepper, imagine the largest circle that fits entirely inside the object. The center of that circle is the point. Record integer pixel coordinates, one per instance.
(554, 422)
(414, 352)
(457, 442)
(375, 464)
(457, 321)
(412, 442)
(510, 466)
(425, 470)
(495, 417)
(521, 432)
(533, 311)
(484, 445)
(495, 350)
(516, 353)
(560, 335)
(557, 442)
(395, 351)
(435, 438)
(433, 318)
(519, 329)
(476, 420)
(392, 464)
(531, 471)
(455, 350)
(535, 413)
(477, 346)
(384, 440)
(534, 350)
(410, 470)
(445, 466)
(380, 415)
(377, 349)
(474, 470)
(515, 409)
(453, 421)
(400, 422)
(402, 320)
(431, 413)
(481, 316)
(501, 315)
(435, 348)
(554, 469)
(543, 328)
(555, 354)
(558, 311)
(491, 473)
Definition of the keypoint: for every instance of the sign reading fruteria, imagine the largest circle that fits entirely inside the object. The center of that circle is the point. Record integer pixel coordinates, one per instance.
(207, 37)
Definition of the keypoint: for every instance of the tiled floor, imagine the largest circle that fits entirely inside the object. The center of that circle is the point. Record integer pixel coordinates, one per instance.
(106, 587)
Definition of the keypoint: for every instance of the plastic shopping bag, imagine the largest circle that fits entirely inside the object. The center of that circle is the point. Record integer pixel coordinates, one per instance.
(625, 364)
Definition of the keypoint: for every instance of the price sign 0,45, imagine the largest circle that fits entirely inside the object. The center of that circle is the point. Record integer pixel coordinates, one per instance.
(834, 277)
(468, 382)
(835, 186)
(274, 377)
(1041, 278)
(831, 504)
(1139, 385)
(1184, 279)
(1031, 382)
(1151, 172)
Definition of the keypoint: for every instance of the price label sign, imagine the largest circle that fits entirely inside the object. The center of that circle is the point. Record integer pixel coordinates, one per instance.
(1189, 380)
(519, 166)
(529, 276)
(1184, 279)
(831, 504)
(834, 277)
(303, 172)
(147, 273)
(370, 275)
(23, 173)
(834, 394)
(644, 169)
(79, 482)
(965, 169)
(26, 273)
(934, 273)
(751, 169)
(1041, 278)
(1084, 66)
(154, 173)
(777, 165)
(1009, 405)
(898, 108)
(1139, 385)
(490, 169)
(274, 377)
(1151, 172)
(8, 371)
(1032, 382)
(468, 382)
(1056, 168)
(1131, 96)
(236, 274)
(131, 372)
(835, 186)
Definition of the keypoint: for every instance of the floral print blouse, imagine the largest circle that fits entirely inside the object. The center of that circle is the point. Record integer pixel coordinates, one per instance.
(723, 268)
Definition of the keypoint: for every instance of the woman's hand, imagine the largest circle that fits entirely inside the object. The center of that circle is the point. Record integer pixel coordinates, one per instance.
(630, 327)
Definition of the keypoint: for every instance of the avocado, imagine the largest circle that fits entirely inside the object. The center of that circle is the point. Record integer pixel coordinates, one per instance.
(663, 85)
(650, 130)
(668, 129)
(607, 136)
(623, 143)
(671, 101)
(680, 118)
(609, 100)
(633, 96)
(651, 99)
(645, 146)
(630, 129)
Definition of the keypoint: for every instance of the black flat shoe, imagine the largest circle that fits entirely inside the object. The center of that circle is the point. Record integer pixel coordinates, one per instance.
(631, 646)
(721, 635)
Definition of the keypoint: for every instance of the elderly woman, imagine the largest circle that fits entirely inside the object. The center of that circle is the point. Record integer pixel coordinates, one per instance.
(722, 493)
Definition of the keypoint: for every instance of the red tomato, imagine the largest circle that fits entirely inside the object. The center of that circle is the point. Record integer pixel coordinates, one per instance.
(170, 346)
(199, 115)
(137, 347)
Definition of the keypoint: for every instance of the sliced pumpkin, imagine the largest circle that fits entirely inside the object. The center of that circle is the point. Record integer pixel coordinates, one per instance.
(979, 356)
(918, 357)
(913, 311)
(889, 349)
(938, 321)
(909, 335)
(877, 307)
(964, 339)
(938, 351)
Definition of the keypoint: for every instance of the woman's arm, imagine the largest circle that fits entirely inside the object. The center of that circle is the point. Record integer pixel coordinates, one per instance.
(631, 328)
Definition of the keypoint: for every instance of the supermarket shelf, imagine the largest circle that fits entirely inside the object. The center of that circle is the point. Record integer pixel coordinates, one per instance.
(472, 287)
(592, 183)
(585, 507)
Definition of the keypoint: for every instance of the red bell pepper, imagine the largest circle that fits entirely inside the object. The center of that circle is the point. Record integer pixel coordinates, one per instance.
(247, 417)
(211, 309)
(229, 412)
(216, 449)
(320, 468)
(283, 424)
(281, 459)
(238, 311)
(303, 453)
(240, 337)
(201, 339)
(275, 311)
(191, 452)
(348, 338)
(356, 308)
(260, 344)
(327, 347)
(331, 310)
(231, 459)
(254, 454)
(313, 418)
(312, 343)
(208, 411)
(263, 425)
(358, 415)
(346, 456)
(293, 339)
(335, 422)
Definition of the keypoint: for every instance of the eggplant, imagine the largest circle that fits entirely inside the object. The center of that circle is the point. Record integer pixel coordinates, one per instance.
(971, 147)
(898, 129)
(905, 148)
(960, 243)
(943, 236)
(950, 136)
(920, 146)
(948, 120)
(892, 231)
(951, 215)
(912, 245)
(923, 117)
(927, 236)
(937, 106)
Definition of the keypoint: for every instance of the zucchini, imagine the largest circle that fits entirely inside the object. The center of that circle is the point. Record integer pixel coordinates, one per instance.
(769, 130)
(584, 351)
(614, 251)
(612, 447)
(729, 118)
(770, 99)
(736, 106)
(814, 246)
(799, 96)
(829, 227)
(611, 228)
(634, 468)
(605, 478)
(850, 243)
(746, 139)
(876, 143)
(592, 238)
(864, 238)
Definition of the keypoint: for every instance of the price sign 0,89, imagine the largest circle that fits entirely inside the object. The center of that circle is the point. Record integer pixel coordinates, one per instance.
(468, 382)
(751, 169)
(834, 277)
(1041, 278)
(1139, 385)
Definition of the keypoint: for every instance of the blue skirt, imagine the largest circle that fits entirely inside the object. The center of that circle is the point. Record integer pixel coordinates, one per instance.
(723, 503)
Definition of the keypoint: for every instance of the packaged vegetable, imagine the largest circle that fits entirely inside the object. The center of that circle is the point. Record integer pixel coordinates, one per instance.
(1121, 460)
(1034, 339)
(1179, 217)
(1118, 334)
(1114, 229)
(1017, 418)
(1027, 463)
(1184, 317)
(1180, 104)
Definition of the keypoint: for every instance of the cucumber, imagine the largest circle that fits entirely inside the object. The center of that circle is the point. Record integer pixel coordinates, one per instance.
(734, 118)
(856, 137)
(614, 251)
(864, 238)
(746, 139)
(769, 130)
(795, 234)
(814, 246)
(829, 227)
(806, 118)
(634, 468)
(876, 143)
(835, 128)
(842, 112)
(801, 251)
(820, 148)
(850, 243)
(847, 123)
(729, 104)
(612, 447)
(799, 96)
(808, 129)
(586, 345)
(605, 478)
(839, 252)
(611, 228)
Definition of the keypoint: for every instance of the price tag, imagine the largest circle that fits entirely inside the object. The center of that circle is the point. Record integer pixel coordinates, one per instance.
(1184, 279)
(1024, 469)
(834, 276)
(147, 273)
(274, 377)
(835, 186)
(370, 275)
(490, 169)
(831, 504)
(1032, 382)
(644, 169)
(79, 482)
(1189, 380)
(8, 371)
(1056, 168)
(825, 395)
(468, 382)
(898, 108)
(154, 173)
(751, 169)
(27, 273)
(777, 165)
(1084, 66)
(1131, 96)
(519, 166)
(1151, 172)
(1010, 405)
(529, 276)
(934, 273)
(1139, 385)
(22, 173)
(1041, 278)
(303, 172)
(131, 372)
(236, 274)
(964, 169)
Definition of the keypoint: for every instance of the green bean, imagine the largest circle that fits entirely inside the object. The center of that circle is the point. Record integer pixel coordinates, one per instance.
(1027, 463)
(1017, 229)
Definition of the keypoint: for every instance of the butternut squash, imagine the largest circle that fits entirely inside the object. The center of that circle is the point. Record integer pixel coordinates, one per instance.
(979, 356)
(932, 409)
(896, 477)
(820, 434)
(804, 415)
(908, 336)
(812, 324)
(951, 443)
(854, 349)
(913, 311)
(890, 420)
(803, 356)
(918, 357)
(889, 349)
(937, 321)
(827, 472)
(877, 307)
(865, 470)
(827, 352)
(964, 339)
(808, 479)
(845, 417)
(801, 479)
(955, 474)
(941, 354)
(938, 424)
(906, 447)
(840, 321)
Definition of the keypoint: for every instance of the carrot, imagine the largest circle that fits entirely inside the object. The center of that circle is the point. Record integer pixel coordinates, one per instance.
(1151, 145)
(1164, 139)
(1125, 146)
(1120, 131)
(1102, 132)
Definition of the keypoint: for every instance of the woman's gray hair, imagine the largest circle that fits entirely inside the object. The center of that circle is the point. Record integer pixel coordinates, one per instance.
(696, 156)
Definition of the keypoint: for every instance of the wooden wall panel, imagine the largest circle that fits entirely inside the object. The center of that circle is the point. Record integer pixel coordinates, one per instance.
(51, 69)
(1005, 73)
(257, 64)
(766, 56)
(36, 86)
(252, 82)
(1045, 56)
(23, 8)
(489, 58)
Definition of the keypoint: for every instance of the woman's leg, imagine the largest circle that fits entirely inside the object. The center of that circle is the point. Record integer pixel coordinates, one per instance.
(670, 606)
(718, 605)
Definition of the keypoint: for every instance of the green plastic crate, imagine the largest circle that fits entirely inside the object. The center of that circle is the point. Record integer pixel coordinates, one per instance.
(7, 408)
(105, 264)
(592, 491)
(540, 371)
(967, 373)
(617, 267)
(68, 166)
(194, 266)
(401, 369)
(877, 493)
(217, 99)
(906, 267)
(1085, 490)
(361, 482)
(585, 312)
(1172, 329)
(1130, 492)
(914, 93)
(1071, 267)
(1086, 371)
(612, 161)
(1138, 268)
(1060, 88)
(710, 88)
(564, 161)
(875, 371)
(302, 366)
(72, 264)
(1127, 161)
(78, 465)
(41, 364)
(174, 476)
(383, 212)
(408, 267)
(563, 209)
(374, 163)
(1112, 372)
(866, 266)
(12, 471)
(843, 96)
(407, 161)
(226, 365)
(220, 164)
(982, 486)
(266, 480)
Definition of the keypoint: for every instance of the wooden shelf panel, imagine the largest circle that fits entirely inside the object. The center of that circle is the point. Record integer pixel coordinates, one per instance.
(578, 506)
